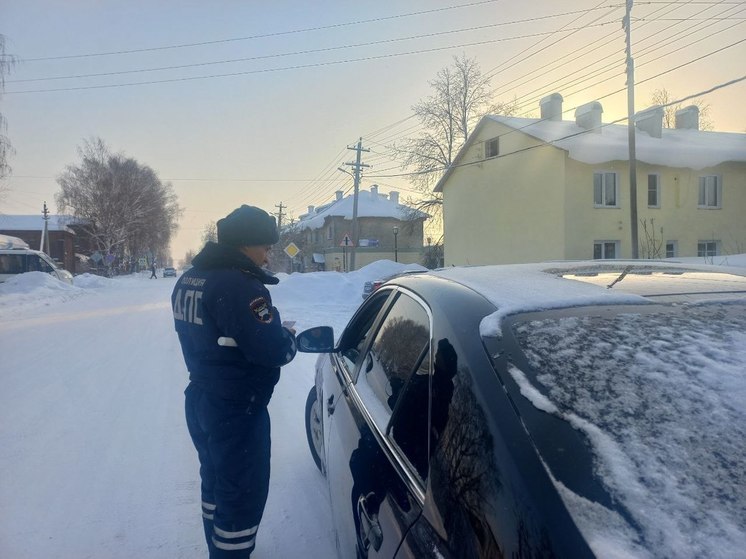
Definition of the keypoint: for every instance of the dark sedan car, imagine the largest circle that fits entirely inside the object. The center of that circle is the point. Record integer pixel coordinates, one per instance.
(580, 410)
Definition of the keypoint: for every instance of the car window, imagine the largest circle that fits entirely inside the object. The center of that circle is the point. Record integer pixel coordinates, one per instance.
(36, 263)
(409, 425)
(11, 263)
(353, 342)
(398, 351)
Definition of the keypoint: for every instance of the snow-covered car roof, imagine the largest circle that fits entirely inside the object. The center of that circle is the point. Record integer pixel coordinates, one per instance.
(532, 287)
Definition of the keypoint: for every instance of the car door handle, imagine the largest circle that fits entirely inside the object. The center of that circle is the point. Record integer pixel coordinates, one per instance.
(370, 529)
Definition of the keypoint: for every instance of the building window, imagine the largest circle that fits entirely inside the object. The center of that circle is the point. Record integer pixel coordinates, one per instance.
(605, 250)
(708, 248)
(329, 233)
(492, 147)
(605, 190)
(709, 191)
(654, 191)
(672, 249)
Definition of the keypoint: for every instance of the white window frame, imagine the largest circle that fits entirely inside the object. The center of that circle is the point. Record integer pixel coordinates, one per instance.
(707, 252)
(603, 244)
(602, 201)
(706, 191)
(657, 190)
(674, 249)
(488, 153)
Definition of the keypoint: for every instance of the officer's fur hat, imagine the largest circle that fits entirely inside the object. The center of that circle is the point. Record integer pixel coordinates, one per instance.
(247, 226)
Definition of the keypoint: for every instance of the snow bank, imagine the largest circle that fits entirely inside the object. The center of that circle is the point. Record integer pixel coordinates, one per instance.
(34, 289)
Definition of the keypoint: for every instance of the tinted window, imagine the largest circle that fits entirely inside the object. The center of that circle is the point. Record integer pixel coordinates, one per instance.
(37, 264)
(357, 331)
(11, 264)
(409, 425)
(397, 350)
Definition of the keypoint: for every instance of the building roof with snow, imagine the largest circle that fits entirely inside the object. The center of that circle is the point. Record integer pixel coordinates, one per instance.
(689, 148)
(370, 204)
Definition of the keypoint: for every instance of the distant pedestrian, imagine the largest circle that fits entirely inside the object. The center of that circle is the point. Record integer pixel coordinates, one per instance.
(234, 345)
(152, 271)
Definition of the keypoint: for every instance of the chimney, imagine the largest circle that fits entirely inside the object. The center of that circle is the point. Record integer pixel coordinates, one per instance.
(588, 116)
(374, 190)
(339, 195)
(310, 210)
(551, 107)
(651, 121)
(394, 196)
(688, 118)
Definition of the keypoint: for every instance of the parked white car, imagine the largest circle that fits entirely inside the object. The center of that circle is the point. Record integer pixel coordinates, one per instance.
(18, 260)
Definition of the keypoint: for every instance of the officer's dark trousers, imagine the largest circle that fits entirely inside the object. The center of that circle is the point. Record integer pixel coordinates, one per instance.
(233, 444)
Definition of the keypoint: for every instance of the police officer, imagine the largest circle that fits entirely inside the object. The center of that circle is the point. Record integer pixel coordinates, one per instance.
(234, 345)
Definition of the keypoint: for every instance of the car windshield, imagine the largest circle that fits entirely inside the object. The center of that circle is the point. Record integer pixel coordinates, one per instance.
(657, 398)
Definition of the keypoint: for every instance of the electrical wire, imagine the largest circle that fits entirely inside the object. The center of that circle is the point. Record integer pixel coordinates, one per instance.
(293, 67)
(264, 35)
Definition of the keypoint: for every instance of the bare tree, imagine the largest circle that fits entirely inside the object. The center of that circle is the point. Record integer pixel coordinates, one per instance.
(7, 61)
(121, 204)
(210, 233)
(663, 97)
(187, 261)
(651, 246)
(461, 97)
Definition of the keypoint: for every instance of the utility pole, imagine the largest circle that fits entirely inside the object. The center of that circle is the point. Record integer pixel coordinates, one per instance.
(45, 233)
(627, 25)
(279, 215)
(356, 166)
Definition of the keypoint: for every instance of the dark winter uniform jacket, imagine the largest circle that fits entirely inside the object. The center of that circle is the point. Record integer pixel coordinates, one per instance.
(224, 296)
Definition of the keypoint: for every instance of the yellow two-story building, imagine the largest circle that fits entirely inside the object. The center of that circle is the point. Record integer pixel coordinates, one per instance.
(526, 190)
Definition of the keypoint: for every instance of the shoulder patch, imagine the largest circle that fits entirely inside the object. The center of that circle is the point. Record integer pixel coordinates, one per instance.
(261, 309)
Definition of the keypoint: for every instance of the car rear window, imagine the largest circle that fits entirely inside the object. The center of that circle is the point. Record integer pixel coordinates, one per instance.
(660, 398)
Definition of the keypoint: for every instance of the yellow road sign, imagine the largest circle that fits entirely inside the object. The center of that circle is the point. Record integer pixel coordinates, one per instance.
(291, 250)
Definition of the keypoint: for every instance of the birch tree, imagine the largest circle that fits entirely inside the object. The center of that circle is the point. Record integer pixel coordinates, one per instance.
(121, 204)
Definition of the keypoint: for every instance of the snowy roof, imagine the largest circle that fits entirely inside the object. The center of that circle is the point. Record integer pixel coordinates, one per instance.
(693, 149)
(369, 204)
(35, 223)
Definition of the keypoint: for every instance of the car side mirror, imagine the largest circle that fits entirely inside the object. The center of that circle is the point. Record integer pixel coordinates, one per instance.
(316, 340)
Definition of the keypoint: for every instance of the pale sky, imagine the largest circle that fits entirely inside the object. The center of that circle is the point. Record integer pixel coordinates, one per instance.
(277, 128)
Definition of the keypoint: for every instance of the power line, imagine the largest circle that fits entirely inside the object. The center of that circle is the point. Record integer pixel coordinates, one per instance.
(294, 67)
(263, 35)
(527, 100)
(297, 53)
(610, 67)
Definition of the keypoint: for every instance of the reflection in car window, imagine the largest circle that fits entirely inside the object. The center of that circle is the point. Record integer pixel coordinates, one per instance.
(398, 348)
(409, 424)
(357, 332)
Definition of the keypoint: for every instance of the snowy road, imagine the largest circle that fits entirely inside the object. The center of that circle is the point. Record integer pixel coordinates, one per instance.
(95, 458)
